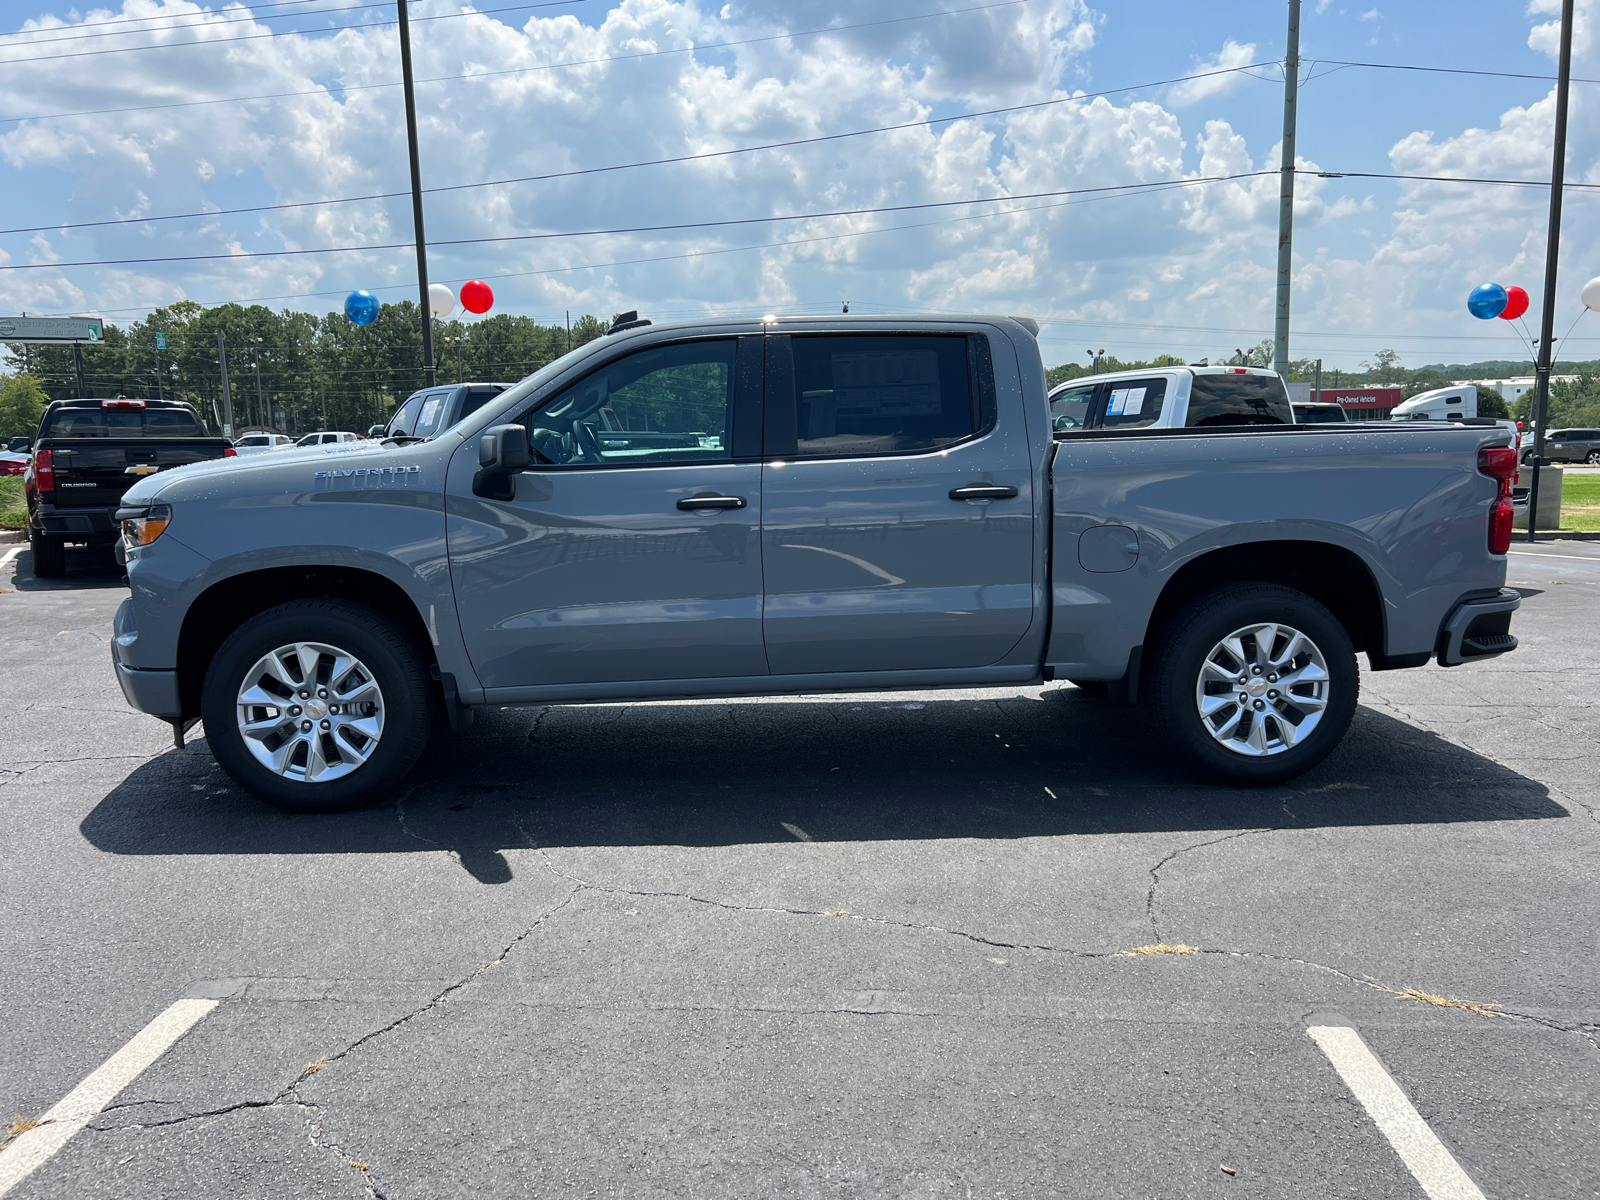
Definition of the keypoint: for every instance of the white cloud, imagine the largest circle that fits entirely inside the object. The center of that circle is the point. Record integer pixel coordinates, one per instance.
(1231, 56)
(1193, 255)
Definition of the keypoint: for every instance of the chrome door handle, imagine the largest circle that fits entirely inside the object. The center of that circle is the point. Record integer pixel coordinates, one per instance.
(710, 500)
(983, 491)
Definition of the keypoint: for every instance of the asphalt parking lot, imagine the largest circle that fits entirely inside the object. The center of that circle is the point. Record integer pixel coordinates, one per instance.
(858, 946)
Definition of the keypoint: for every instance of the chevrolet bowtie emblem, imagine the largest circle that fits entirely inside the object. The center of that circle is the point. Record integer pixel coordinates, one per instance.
(141, 469)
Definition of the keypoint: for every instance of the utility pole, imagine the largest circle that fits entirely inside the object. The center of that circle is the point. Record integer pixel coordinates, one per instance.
(1317, 386)
(1547, 327)
(77, 364)
(322, 391)
(262, 416)
(416, 194)
(227, 396)
(1291, 87)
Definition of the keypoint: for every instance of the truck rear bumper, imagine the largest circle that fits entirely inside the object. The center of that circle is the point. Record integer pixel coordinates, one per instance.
(82, 523)
(1479, 628)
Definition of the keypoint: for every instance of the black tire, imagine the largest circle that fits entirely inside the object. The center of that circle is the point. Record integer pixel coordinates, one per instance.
(1189, 640)
(49, 555)
(379, 645)
(1593, 458)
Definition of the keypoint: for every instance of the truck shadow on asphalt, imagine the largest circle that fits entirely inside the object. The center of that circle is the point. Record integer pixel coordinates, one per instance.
(724, 773)
(86, 570)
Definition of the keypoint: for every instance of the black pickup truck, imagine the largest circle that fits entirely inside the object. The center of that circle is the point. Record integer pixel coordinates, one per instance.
(88, 453)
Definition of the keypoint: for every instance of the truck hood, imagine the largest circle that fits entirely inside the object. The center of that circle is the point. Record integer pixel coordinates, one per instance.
(255, 472)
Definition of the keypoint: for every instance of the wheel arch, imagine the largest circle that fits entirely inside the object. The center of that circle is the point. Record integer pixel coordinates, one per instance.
(1333, 575)
(228, 603)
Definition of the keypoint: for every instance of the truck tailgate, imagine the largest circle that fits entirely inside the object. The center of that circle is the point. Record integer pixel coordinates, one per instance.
(94, 473)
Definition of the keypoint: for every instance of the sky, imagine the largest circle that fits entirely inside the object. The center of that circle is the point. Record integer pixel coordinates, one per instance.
(828, 152)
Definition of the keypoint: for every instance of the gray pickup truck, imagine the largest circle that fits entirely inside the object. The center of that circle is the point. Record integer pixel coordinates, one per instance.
(811, 505)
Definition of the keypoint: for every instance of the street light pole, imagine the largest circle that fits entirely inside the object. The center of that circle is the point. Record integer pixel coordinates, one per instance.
(416, 194)
(227, 396)
(1547, 328)
(1291, 88)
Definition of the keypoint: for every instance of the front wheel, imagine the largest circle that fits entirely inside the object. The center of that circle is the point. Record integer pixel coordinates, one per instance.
(316, 705)
(1256, 683)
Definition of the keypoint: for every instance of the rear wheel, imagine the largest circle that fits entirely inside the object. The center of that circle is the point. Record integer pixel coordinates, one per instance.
(1593, 458)
(1256, 683)
(49, 555)
(317, 705)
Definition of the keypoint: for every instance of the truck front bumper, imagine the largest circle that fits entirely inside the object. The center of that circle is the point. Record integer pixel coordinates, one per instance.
(1478, 628)
(153, 692)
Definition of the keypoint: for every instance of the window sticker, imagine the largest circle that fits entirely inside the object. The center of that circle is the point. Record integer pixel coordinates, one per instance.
(1134, 402)
(430, 409)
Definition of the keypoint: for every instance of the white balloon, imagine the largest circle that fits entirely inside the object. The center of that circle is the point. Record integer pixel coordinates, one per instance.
(441, 300)
(1591, 293)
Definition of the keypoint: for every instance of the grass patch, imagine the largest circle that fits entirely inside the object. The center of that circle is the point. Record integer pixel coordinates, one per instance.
(13, 507)
(1580, 502)
(18, 1124)
(1471, 1006)
(1158, 948)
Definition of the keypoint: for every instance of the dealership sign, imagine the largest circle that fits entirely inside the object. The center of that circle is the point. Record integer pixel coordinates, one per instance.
(52, 329)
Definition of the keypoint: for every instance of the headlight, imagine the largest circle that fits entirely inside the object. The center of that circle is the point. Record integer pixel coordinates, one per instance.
(142, 526)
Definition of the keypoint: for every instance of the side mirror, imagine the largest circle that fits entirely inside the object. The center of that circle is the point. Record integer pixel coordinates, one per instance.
(20, 445)
(377, 431)
(502, 453)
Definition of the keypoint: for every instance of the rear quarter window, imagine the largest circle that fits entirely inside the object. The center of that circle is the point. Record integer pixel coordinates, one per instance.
(1238, 400)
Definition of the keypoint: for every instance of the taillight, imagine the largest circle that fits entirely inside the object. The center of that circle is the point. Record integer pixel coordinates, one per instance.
(44, 472)
(229, 452)
(122, 402)
(1499, 463)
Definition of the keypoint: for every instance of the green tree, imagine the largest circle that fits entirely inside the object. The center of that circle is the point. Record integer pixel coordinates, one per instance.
(1385, 367)
(22, 403)
(1492, 404)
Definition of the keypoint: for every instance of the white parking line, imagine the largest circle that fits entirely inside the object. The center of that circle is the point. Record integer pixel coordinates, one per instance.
(32, 1149)
(1595, 558)
(6, 558)
(1418, 1146)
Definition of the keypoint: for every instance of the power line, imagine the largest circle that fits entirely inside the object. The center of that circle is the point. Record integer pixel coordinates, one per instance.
(584, 62)
(685, 225)
(1334, 62)
(255, 14)
(251, 37)
(654, 162)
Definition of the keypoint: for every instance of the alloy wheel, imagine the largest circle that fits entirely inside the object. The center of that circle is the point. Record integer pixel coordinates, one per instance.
(310, 712)
(1262, 690)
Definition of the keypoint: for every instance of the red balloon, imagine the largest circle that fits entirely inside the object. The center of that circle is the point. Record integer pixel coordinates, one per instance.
(1516, 303)
(477, 297)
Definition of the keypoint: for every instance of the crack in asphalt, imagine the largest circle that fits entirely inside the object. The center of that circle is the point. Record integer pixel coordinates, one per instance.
(1155, 871)
(612, 890)
(289, 1096)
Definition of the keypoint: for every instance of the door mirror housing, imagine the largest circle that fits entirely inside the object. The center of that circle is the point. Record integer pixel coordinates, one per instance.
(502, 453)
(20, 445)
(377, 431)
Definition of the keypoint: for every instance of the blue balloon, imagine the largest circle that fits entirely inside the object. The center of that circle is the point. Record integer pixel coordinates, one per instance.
(362, 307)
(1487, 301)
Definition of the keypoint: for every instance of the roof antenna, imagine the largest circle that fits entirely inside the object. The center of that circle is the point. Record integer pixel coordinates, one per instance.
(847, 306)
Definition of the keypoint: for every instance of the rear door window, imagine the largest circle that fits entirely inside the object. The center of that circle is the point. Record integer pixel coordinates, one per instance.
(867, 394)
(1238, 400)
(432, 416)
(1134, 403)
